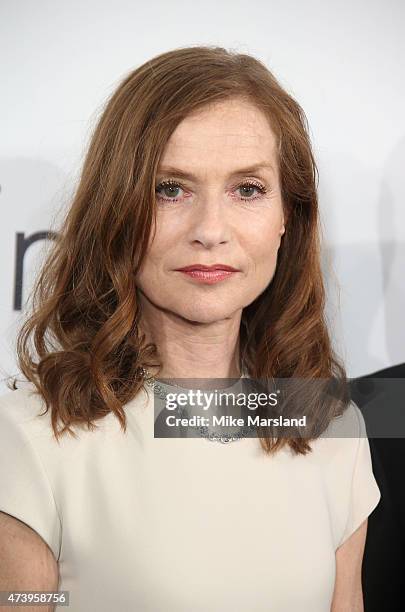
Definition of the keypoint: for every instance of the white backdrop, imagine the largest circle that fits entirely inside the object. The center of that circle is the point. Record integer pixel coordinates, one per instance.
(343, 61)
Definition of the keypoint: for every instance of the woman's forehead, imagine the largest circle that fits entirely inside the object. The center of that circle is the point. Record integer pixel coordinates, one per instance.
(227, 120)
(240, 138)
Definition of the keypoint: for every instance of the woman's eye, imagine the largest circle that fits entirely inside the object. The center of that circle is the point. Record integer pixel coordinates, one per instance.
(169, 190)
(246, 190)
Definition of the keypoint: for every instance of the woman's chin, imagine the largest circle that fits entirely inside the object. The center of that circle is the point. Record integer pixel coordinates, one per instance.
(206, 314)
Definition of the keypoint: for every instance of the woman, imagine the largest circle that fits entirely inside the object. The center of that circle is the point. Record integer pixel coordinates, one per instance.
(199, 159)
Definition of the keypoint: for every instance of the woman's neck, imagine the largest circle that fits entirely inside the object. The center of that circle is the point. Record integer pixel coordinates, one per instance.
(188, 349)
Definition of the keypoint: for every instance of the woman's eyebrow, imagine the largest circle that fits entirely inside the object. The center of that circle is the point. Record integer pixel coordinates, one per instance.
(177, 172)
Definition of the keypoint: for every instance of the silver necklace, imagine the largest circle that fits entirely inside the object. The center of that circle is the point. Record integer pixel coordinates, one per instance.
(203, 431)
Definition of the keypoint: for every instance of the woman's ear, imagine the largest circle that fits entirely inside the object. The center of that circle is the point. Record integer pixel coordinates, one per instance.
(285, 220)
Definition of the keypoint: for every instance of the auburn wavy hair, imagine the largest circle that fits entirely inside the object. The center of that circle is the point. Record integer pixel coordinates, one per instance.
(87, 348)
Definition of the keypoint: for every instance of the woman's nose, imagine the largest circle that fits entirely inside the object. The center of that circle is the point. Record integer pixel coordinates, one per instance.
(210, 223)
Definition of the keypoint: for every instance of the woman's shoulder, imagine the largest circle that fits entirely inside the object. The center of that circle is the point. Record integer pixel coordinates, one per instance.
(337, 450)
(344, 430)
(350, 423)
(24, 414)
(22, 408)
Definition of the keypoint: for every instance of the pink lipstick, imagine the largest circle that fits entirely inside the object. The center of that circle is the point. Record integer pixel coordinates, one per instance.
(208, 274)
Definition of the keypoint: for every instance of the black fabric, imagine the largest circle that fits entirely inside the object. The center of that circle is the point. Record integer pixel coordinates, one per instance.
(383, 571)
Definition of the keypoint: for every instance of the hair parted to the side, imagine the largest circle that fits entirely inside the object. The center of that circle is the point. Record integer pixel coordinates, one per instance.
(88, 348)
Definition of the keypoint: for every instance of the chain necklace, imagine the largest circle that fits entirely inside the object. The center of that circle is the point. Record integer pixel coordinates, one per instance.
(203, 431)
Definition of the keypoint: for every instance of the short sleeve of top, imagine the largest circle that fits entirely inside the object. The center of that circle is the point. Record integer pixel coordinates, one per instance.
(364, 494)
(25, 492)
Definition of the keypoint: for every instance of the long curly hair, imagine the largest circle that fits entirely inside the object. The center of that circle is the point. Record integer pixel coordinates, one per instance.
(88, 349)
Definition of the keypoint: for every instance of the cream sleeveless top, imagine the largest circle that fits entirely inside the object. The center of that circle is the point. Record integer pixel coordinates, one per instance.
(180, 525)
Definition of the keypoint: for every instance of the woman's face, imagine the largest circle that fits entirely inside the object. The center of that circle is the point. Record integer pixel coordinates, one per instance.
(218, 201)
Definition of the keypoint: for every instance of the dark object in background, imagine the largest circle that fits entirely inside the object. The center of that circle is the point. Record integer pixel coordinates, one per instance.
(383, 572)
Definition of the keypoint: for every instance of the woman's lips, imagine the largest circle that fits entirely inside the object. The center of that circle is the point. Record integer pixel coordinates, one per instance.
(208, 275)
